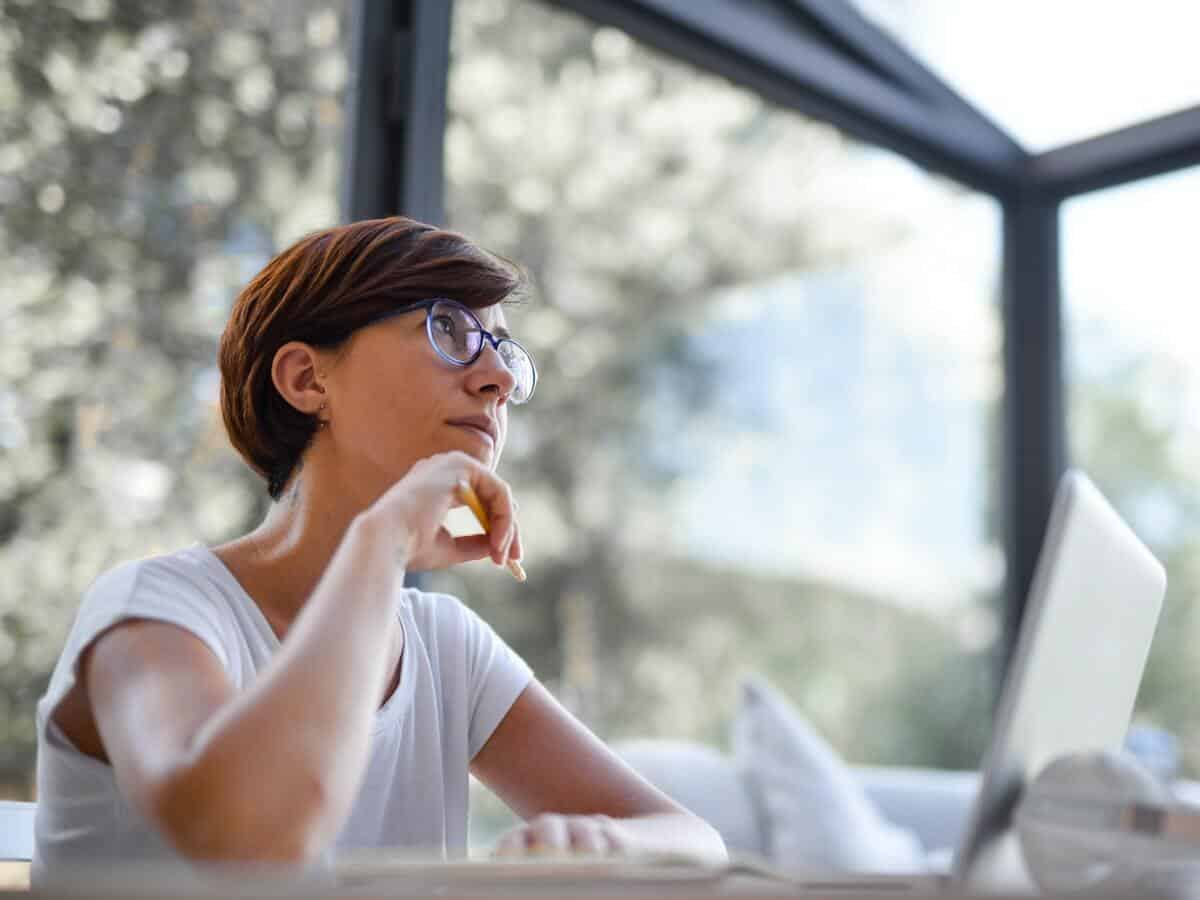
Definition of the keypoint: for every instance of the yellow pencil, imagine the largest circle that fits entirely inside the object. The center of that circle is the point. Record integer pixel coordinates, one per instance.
(469, 497)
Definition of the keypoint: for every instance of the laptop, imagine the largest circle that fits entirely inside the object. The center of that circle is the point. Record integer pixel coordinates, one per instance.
(1089, 620)
(1090, 617)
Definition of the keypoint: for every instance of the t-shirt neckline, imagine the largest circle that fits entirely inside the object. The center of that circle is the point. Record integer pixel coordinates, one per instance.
(383, 714)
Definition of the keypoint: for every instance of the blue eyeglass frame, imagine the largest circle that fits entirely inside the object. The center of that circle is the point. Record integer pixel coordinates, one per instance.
(428, 306)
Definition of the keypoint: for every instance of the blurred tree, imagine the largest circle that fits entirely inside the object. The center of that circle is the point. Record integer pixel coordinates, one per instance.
(637, 191)
(604, 169)
(1127, 428)
(152, 156)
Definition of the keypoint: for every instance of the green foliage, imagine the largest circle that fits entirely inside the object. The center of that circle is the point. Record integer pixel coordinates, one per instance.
(636, 191)
(1129, 430)
(152, 156)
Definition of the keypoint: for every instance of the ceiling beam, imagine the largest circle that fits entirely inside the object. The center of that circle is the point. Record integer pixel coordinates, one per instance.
(848, 27)
(799, 70)
(1151, 148)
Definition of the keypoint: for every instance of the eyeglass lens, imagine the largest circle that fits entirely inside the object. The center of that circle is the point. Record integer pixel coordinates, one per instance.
(457, 334)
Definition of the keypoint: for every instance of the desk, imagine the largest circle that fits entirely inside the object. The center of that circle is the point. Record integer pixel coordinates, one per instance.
(449, 881)
(746, 890)
(381, 877)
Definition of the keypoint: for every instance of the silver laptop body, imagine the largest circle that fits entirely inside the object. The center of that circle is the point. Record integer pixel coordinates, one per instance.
(1089, 620)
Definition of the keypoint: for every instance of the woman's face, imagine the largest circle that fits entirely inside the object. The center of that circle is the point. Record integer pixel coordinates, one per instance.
(394, 400)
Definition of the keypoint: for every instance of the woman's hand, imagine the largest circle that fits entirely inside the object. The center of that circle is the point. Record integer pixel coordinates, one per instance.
(556, 835)
(413, 509)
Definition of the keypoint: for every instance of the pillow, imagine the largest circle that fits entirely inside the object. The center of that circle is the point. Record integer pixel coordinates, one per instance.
(816, 815)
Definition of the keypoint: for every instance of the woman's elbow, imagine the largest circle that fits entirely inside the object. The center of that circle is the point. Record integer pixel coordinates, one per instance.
(213, 823)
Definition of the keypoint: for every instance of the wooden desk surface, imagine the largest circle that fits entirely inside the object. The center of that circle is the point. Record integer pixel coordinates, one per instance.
(473, 880)
(748, 889)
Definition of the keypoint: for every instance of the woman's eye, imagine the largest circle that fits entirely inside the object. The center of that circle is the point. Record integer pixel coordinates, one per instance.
(444, 324)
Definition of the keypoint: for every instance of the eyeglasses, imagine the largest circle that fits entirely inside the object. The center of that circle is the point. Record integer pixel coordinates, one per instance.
(458, 336)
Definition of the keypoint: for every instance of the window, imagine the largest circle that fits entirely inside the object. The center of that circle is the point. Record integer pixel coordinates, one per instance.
(150, 163)
(764, 438)
(1134, 404)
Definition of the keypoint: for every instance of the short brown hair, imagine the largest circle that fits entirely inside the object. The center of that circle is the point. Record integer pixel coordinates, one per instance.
(320, 291)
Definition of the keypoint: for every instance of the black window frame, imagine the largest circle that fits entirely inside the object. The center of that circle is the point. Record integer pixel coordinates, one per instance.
(824, 59)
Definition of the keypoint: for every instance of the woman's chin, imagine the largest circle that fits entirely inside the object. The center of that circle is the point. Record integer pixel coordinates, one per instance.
(486, 457)
(476, 450)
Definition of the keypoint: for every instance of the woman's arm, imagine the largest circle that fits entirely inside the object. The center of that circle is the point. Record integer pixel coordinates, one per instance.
(579, 796)
(271, 772)
(268, 773)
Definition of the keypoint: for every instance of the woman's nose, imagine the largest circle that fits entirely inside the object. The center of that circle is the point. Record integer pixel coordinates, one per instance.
(490, 371)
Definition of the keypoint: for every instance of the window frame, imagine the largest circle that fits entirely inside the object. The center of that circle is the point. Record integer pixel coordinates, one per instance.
(824, 59)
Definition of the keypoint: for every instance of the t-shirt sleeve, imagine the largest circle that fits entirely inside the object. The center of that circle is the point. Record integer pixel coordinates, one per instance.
(146, 589)
(496, 676)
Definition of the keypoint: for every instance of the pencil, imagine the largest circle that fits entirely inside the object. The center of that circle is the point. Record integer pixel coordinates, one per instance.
(469, 497)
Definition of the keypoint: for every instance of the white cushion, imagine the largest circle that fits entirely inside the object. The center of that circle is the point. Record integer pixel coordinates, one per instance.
(931, 803)
(817, 816)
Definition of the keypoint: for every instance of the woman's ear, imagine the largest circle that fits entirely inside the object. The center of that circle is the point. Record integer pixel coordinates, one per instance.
(296, 376)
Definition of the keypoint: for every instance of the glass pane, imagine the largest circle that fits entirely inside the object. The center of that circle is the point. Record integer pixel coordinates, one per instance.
(152, 157)
(763, 439)
(1129, 274)
(1055, 73)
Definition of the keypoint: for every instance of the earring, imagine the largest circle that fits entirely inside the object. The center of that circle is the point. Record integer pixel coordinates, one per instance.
(321, 423)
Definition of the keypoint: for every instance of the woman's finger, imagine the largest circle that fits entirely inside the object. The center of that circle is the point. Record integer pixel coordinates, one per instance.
(499, 507)
(516, 551)
(509, 539)
(618, 843)
(467, 548)
(586, 837)
(548, 833)
(502, 528)
(496, 497)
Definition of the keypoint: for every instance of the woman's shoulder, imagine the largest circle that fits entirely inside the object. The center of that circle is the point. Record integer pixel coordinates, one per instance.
(181, 588)
(449, 623)
(189, 570)
(443, 619)
(186, 586)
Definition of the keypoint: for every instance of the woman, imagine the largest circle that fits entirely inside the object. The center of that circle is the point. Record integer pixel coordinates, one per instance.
(282, 695)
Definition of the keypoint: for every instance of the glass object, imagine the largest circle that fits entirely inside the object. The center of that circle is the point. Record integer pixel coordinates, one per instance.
(459, 338)
(1054, 73)
(765, 434)
(1133, 380)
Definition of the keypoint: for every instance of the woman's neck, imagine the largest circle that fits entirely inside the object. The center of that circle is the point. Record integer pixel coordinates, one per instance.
(280, 562)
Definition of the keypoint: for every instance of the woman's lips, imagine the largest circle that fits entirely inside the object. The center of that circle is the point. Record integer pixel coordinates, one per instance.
(477, 431)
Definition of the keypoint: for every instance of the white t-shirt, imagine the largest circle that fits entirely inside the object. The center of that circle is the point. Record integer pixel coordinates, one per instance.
(458, 679)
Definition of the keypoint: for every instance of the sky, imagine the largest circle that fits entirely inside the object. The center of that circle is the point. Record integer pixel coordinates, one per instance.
(847, 440)
(1055, 71)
